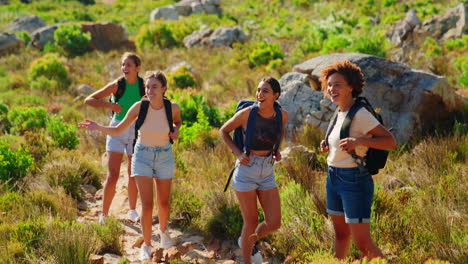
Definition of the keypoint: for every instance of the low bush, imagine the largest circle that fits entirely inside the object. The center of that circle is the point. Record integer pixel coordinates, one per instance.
(72, 40)
(51, 67)
(62, 134)
(108, 235)
(14, 164)
(156, 35)
(181, 78)
(263, 53)
(29, 233)
(226, 222)
(24, 119)
(374, 45)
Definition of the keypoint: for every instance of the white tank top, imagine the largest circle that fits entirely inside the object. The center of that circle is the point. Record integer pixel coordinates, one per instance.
(155, 130)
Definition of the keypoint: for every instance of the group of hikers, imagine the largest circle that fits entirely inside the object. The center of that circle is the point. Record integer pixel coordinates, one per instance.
(144, 129)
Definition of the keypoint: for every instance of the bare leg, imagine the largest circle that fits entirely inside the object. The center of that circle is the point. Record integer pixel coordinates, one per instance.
(113, 172)
(362, 238)
(131, 186)
(249, 209)
(145, 187)
(270, 202)
(163, 195)
(342, 236)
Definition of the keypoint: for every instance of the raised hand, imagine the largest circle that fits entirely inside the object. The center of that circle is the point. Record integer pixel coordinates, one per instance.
(90, 125)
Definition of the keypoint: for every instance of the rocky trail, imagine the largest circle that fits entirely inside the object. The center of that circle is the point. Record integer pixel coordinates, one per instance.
(188, 247)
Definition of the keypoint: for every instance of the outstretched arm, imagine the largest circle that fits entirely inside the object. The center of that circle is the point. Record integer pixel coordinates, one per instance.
(128, 120)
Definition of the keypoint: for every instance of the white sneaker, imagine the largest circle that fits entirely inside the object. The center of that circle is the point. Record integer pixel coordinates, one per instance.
(256, 255)
(133, 216)
(166, 241)
(145, 252)
(102, 220)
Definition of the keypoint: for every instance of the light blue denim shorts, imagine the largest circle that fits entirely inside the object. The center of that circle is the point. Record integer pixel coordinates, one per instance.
(122, 143)
(155, 162)
(258, 174)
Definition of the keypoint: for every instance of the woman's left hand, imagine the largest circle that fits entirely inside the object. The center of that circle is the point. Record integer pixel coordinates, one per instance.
(348, 144)
(174, 135)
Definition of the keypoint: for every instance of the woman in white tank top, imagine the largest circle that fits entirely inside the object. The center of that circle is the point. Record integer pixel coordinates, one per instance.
(153, 159)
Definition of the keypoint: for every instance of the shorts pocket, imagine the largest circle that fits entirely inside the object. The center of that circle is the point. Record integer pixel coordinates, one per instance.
(352, 176)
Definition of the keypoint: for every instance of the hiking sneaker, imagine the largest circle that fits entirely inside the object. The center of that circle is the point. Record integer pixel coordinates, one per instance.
(133, 216)
(145, 252)
(166, 240)
(102, 220)
(256, 255)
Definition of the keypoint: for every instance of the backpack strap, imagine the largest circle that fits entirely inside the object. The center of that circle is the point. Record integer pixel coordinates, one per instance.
(120, 89)
(250, 125)
(141, 85)
(170, 121)
(141, 118)
(331, 124)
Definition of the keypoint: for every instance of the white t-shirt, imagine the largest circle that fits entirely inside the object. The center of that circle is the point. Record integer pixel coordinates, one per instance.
(362, 123)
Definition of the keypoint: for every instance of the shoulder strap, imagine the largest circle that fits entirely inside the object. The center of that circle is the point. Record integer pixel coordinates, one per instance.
(250, 125)
(120, 89)
(141, 85)
(279, 116)
(344, 132)
(141, 118)
(170, 121)
(331, 124)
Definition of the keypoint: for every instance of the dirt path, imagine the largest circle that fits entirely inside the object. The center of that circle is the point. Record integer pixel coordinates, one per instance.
(188, 248)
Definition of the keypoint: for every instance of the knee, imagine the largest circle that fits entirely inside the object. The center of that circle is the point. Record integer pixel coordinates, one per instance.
(164, 204)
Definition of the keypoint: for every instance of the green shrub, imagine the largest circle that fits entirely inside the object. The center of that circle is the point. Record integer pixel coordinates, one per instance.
(24, 119)
(335, 43)
(303, 3)
(461, 65)
(181, 78)
(198, 133)
(63, 134)
(374, 45)
(226, 222)
(9, 201)
(431, 48)
(264, 53)
(44, 84)
(155, 35)
(72, 39)
(30, 233)
(4, 123)
(51, 67)
(186, 202)
(109, 236)
(436, 261)
(457, 44)
(24, 35)
(71, 242)
(28, 100)
(14, 165)
(71, 115)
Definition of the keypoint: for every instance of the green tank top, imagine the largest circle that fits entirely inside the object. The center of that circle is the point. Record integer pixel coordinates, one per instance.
(129, 97)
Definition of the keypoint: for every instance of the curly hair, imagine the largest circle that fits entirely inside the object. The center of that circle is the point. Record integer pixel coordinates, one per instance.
(350, 71)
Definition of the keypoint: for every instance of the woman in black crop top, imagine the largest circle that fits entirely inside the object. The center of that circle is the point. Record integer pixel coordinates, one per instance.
(253, 176)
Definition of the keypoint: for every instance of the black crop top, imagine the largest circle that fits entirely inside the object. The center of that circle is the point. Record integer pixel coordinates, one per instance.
(265, 133)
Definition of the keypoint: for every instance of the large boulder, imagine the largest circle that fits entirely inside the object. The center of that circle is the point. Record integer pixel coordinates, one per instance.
(42, 36)
(411, 101)
(186, 8)
(222, 36)
(26, 23)
(107, 36)
(9, 43)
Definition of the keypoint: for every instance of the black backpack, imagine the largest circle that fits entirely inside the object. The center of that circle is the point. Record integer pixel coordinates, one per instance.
(375, 159)
(121, 89)
(142, 116)
(238, 137)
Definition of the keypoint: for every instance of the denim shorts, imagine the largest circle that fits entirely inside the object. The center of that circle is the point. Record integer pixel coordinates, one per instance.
(258, 174)
(155, 162)
(350, 193)
(122, 143)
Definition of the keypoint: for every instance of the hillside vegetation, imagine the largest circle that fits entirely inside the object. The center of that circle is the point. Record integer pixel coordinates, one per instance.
(420, 209)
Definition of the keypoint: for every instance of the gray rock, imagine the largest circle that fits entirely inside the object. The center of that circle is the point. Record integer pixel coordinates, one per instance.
(85, 90)
(165, 12)
(10, 43)
(222, 36)
(403, 28)
(186, 8)
(108, 36)
(27, 23)
(411, 101)
(42, 36)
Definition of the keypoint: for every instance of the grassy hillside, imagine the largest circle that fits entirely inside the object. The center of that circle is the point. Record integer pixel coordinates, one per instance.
(44, 158)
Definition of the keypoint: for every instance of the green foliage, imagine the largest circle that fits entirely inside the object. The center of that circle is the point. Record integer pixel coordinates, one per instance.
(303, 3)
(181, 78)
(436, 261)
(374, 45)
(63, 134)
(24, 35)
(71, 115)
(29, 233)
(263, 53)
(186, 203)
(43, 84)
(156, 35)
(431, 48)
(457, 44)
(51, 67)
(71, 242)
(335, 43)
(124, 261)
(72, 39)
(198, 133)
(461, 65)
(4, 123)
(14, 164)
(226, 223)
(109, 236)
(24, 119)
(28, 100)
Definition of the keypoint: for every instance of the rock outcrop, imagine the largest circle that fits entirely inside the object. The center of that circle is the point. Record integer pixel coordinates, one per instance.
(222, 36)
(411, 101)
(108, 36)
(186, 8)
(9, 43)
(26, 23)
